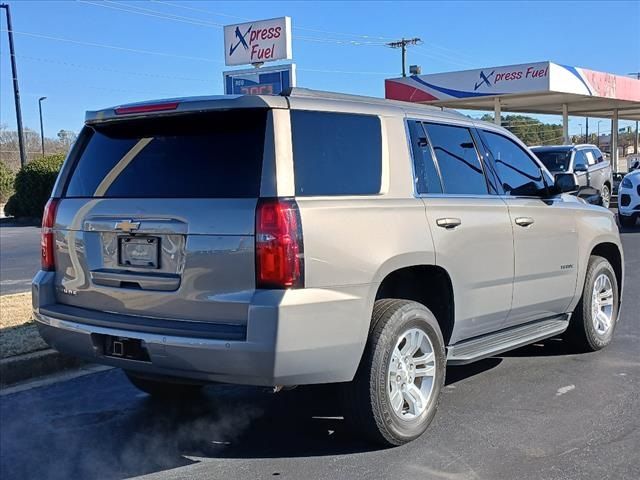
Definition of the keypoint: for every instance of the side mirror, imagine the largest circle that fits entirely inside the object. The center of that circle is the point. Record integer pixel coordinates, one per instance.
(581, 168)
(566, 183)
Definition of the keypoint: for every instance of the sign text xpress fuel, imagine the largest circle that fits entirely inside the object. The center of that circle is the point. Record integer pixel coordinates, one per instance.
(259, 51)
(530, 72)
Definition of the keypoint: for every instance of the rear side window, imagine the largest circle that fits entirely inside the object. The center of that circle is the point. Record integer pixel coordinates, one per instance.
(213, 155)
(598, 155)
(426, 176)
(579, 160)
(458, 159)
(518, 172)
(336, 153)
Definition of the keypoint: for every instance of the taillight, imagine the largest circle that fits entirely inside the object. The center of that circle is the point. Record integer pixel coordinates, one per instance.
(279, 249)
(47, 241)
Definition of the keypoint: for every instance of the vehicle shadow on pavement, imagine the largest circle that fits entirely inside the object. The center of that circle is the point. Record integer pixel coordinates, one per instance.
(551, 347)
(102, 427)
(459, 373)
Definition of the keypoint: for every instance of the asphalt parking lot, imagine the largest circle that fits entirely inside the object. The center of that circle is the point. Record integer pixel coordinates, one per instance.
(19, 257)
(536, 413)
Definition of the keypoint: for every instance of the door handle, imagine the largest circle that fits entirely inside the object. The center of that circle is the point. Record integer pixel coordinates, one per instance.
(448, 222)
(524, 221)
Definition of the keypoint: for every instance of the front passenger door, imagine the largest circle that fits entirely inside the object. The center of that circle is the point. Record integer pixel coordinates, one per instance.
(544, 232)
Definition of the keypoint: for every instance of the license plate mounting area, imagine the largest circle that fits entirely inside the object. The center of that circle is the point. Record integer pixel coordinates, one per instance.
(138, 251)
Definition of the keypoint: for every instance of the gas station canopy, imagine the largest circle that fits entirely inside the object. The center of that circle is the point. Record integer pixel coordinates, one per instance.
(543, 88)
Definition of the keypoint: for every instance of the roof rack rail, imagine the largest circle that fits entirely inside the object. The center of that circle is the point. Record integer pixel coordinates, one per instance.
(299, 92)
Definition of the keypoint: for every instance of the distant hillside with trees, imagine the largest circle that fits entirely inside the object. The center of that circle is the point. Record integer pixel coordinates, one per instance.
(530, 130)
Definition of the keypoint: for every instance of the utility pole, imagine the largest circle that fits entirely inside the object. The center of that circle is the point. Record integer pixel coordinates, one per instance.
(403, 45)
(16, 90)
(635, 137)
(41, 125)
(586, 132)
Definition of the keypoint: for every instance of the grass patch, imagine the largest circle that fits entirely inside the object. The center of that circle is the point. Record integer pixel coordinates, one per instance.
(18, 332)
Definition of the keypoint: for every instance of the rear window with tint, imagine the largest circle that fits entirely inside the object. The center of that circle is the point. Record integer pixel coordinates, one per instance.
(336, 153)
(458, 159)
(213, 155)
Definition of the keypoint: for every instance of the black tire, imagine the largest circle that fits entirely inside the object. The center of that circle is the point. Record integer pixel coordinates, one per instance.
(582, 334)
(367, 406)
(627, 221)
(164, 388)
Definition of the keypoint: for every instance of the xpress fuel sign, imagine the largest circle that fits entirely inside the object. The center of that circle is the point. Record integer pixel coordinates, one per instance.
(257, 42)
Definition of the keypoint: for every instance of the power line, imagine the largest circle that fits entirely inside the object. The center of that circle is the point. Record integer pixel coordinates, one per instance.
(156, 75)
(120, 90)
(203, 23)
(193, 9)
(104, 69)
(420, 50)
(307, 29)
(402, 44)
(114, 47)
(132, 9)
(127, 8)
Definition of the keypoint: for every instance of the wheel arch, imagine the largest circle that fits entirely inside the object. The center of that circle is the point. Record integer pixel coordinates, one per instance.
(613, 254)
(427, 284)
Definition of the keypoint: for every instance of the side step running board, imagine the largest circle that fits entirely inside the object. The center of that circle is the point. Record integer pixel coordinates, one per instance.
(492, 344)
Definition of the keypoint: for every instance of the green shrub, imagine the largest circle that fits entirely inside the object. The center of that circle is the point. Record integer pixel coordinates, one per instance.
(33, 185)
(6, 182)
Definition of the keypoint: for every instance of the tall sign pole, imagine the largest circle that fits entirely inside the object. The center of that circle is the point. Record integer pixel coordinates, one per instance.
(16, 90)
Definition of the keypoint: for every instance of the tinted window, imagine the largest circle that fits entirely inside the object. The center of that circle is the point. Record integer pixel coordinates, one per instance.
(555, 161)
(580, 161)
(213, 155)
(336, 153)
(519, 174)
(458, 159)
(426, 178)
(598, 155)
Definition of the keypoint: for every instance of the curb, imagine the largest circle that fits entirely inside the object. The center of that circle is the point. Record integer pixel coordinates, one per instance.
(32, 365)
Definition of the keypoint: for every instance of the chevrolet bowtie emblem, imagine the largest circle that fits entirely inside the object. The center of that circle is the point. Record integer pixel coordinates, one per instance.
(127, 225)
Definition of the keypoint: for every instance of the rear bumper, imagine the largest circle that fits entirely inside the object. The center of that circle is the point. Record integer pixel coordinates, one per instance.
(292, 337)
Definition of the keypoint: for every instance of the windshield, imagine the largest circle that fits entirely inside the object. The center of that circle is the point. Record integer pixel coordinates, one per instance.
(208, 155)
(555, 161)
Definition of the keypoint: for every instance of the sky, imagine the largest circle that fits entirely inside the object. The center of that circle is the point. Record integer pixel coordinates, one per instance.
(337, 46)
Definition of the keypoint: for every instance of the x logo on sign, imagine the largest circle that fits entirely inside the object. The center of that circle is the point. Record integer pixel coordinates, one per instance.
(484, 79)
(241, 40)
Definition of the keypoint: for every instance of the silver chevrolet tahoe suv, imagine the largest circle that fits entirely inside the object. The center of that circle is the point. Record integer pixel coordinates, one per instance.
(315, 238)
(593, 171)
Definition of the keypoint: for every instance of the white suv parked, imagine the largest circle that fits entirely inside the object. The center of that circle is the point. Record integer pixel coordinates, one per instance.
(629, 199)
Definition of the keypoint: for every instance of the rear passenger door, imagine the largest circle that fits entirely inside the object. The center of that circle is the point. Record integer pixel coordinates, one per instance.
(597, 169)
(544, 232)
(470, 227)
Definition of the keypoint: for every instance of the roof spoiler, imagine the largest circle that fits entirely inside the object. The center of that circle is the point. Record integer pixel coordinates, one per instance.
(178, 106)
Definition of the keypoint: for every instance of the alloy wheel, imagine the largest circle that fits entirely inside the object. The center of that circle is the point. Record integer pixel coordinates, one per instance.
(411, 377)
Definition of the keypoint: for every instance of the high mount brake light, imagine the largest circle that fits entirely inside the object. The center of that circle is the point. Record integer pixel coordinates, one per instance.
(157, 107)
(279, 246)
(47, 240)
